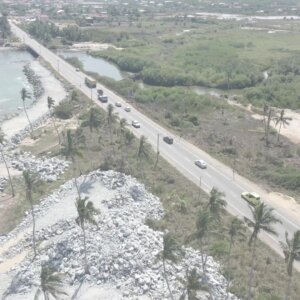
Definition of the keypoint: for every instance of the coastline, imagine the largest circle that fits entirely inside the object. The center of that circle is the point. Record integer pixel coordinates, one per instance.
(52, 88)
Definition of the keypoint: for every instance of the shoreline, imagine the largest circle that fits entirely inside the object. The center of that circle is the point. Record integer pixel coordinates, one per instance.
(52, 88)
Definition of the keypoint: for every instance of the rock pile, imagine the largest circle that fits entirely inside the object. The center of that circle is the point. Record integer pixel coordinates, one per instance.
(122, 251)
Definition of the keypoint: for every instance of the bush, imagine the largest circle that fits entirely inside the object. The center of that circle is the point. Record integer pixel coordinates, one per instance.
(63, 110)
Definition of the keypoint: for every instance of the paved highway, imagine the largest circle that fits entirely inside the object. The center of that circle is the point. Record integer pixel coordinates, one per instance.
(181, 154)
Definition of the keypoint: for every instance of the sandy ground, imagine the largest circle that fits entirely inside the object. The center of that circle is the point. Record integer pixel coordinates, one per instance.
(53, 88)
(93, 46)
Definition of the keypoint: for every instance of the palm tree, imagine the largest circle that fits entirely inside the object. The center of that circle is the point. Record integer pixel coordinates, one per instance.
(24, 96)
(111, 119)
(170, 252)
(204, 226)
(50, 103)
(51, 284)
(142, 150)
(236, 230)
(30, 181)
(291, 250)
(86, 212)
(192, 285)
(282, 121)
(93, 120)
(74, 96)
(263, 219)
(4, 160)
(122, 129)
(216, 204)
(71, 150)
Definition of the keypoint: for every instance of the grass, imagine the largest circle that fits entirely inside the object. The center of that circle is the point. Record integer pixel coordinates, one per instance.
(173, 189)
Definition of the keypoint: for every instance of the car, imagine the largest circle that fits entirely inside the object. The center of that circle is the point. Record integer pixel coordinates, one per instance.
(252, 198)
(136, 124)
(201, 163)
(118, 104)
(127, 108)
(77, 69)
(103, 98)
(169, 140)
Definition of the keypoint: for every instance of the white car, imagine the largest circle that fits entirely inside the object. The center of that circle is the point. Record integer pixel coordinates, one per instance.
(128, 109)
(201, 163)
(136, 124)
(118, 104)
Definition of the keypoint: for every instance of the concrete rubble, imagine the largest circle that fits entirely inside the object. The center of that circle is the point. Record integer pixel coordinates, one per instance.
(122, 250)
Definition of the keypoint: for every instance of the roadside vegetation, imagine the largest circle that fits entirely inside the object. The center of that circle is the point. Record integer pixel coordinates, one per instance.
(101, 140)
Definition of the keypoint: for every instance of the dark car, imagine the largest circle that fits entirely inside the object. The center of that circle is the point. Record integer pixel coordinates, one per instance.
(169, 140)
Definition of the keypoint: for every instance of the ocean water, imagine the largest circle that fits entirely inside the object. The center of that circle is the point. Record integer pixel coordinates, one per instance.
(12, 80)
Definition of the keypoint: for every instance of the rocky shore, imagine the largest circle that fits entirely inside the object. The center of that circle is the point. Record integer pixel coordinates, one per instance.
(122, 249)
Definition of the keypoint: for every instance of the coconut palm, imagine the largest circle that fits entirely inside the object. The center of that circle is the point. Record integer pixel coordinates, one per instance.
(71, 150)
(204, 227)
(236, 230)
(170, 252)
(143, 149)
(24, 96)
(86, 212)
(51, 284)
(291, 250)
(263, 219)
(216, 204)
(30, 182)
(2, 139)
(93, 120)
(50, 104)
(192, 285)
(282, 121)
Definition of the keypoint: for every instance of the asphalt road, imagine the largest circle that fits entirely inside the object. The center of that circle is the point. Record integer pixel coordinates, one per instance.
(181, 154)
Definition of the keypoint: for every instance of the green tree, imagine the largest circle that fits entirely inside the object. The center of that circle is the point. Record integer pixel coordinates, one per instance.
(204, 227)
(86, 212)
(74, 96)
(2, 139)
(51, 284)
(282, 121)
(216, 204)
(263, 219)
(143, 148)
(93, 119)
(291, 251)
(30, 181)
(111, 119)
(50, 104)
(192, 285)
(24, 96)
(170, 252)
(70, 149)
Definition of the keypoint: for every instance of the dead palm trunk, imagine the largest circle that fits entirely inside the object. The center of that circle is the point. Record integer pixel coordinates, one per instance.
(251, 274)
(30, 125)
(8, 173)
(278, 133)
(33, 224)
(55, 127)
(86, 266)
(166, 278)
(288, 289)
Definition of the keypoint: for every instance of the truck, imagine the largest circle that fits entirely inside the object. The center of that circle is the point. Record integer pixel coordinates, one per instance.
(90, 83)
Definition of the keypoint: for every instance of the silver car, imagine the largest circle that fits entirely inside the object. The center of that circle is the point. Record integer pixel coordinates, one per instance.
(201, 163)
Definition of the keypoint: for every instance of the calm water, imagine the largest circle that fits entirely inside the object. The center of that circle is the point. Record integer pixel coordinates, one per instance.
(12, 80)
(93, 64)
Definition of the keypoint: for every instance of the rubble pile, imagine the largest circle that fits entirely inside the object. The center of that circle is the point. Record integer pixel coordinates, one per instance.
(122, 251)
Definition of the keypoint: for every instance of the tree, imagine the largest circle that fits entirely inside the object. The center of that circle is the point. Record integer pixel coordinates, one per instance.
(236, 230)
(142, 150)
(24, 96)
(192, 285)
(111, 119)
(216, 204)
(93, 119)
(4, 26)
(291, 251)
(170, 252)
(263, 219)
(71, 150)
(204, 226)
(122, 129)
(268, 119)
(2, 139)
(30, 182)
(281, 120)
(74, 96)
(86, 212)
(50, 103)
(51, 284)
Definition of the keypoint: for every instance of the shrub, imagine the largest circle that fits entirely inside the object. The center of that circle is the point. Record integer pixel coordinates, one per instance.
(63, 110)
